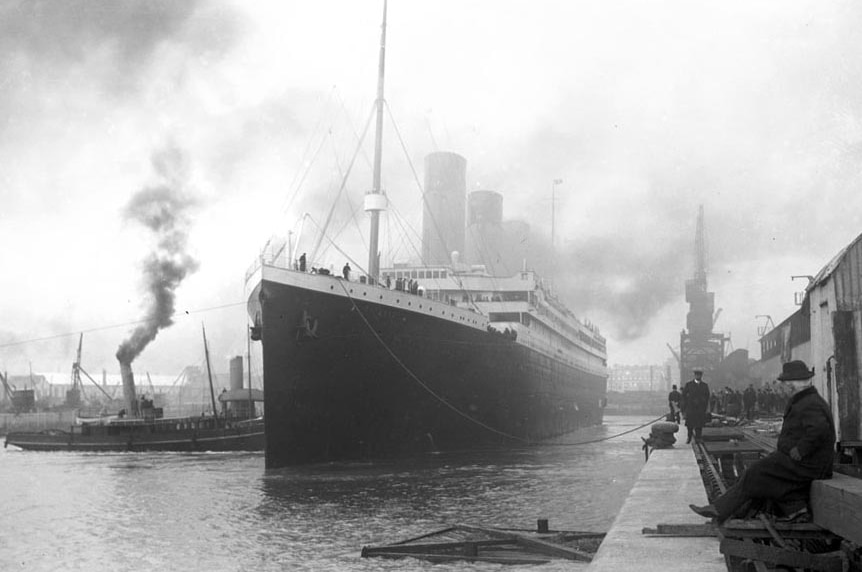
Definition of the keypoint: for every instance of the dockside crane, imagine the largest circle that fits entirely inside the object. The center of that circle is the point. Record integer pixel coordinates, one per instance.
(76, 393)
(699, 345)
(77, 370)
(6, 389)
(675, 354)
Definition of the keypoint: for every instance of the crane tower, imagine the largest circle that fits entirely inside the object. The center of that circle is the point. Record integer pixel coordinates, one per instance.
(699, 346)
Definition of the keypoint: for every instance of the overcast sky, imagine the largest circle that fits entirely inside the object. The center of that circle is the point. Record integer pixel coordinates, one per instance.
(645, 110)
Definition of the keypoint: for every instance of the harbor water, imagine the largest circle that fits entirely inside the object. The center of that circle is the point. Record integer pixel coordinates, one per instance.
(208, 511)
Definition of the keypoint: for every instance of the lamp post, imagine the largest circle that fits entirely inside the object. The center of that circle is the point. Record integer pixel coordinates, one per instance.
(553, 201)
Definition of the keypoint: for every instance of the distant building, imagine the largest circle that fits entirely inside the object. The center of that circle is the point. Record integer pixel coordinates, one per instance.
(624, 378)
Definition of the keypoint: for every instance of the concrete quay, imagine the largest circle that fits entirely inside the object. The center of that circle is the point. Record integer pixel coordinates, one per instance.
(667, 484)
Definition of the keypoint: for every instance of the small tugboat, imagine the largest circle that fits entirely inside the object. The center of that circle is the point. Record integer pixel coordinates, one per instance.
(142, 427)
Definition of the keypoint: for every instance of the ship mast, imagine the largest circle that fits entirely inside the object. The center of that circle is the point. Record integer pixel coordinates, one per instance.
(209, 371)
(375, 200)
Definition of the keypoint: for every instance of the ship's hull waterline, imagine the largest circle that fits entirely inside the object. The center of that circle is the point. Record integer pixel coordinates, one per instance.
(349, 378)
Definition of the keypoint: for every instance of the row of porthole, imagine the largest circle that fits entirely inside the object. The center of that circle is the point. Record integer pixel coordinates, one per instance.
(398, 301)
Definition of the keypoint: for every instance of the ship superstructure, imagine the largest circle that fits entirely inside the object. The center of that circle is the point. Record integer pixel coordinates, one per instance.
(435, 355)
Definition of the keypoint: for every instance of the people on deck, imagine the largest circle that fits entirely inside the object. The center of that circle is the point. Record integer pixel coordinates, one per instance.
(804, 453)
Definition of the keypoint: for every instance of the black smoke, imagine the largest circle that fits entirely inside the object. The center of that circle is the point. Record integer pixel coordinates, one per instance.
(164, 210)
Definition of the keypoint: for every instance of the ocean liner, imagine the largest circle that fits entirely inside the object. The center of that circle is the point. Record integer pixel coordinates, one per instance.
(445, 354)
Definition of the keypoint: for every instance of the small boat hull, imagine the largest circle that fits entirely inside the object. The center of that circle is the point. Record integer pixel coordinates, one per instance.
(182, 435)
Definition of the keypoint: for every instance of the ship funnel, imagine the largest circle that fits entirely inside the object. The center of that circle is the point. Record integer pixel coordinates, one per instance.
(129, 389)
(485, 207)
(444, 212)
(236, 372)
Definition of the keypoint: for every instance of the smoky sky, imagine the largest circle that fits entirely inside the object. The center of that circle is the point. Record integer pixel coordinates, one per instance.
(44, 40)
(164, 210)
(644, 112)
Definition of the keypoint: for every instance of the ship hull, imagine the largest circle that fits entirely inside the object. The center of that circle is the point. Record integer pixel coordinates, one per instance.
(183, 436)
(348, 378)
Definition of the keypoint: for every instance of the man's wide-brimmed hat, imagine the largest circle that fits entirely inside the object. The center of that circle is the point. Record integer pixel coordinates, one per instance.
(795, 370)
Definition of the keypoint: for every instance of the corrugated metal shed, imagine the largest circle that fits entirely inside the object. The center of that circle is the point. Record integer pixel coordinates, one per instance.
(849, 273)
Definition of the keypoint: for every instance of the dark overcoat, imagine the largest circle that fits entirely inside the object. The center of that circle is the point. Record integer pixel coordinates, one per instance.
(695, 403)
(809, 427)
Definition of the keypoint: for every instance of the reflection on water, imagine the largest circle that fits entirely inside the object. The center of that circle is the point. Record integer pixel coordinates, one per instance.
(222, 511)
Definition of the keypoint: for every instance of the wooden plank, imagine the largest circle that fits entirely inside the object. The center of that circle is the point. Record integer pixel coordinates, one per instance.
(456, 558)
(683, 530)
(836, 504)
(536, 544)
(846, 374)
(431, 547)
(827, 562)
(739, 529)
(759, 566)
(727, 447)
(740, 524)
(420, 537)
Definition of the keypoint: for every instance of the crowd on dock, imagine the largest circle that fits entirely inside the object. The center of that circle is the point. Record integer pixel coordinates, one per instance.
(768, 400)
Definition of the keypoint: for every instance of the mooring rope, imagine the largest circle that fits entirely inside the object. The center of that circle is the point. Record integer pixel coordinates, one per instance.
(419, 381)
(603, 438)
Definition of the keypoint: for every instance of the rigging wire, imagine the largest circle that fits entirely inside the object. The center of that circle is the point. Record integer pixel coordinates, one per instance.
(433, 219)
(419, 381)
(123, 325)
(292, 196)
(343, 183)
(332, 243)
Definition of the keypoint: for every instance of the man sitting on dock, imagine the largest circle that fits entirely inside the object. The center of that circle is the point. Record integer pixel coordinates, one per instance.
(804, 453)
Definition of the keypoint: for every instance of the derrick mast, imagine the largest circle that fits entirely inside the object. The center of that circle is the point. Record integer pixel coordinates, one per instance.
(699, 345)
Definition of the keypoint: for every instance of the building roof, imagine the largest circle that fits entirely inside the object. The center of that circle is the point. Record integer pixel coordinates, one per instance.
(832, 265)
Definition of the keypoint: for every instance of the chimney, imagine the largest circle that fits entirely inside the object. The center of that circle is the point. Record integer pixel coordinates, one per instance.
(444, 211)
(236, 373)
(129, 389)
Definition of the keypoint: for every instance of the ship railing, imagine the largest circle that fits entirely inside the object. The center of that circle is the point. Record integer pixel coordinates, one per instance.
(548, 348)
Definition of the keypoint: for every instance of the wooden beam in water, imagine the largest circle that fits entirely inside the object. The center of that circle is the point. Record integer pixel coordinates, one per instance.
(536, 544)
(827, 562)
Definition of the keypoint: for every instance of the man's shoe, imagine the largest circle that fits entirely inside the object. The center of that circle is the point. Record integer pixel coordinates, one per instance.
(801, 515)
(708, 511)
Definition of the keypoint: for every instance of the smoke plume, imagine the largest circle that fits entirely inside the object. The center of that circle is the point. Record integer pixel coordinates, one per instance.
(163, 209)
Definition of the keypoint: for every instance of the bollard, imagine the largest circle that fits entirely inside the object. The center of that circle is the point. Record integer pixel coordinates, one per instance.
(542, 525)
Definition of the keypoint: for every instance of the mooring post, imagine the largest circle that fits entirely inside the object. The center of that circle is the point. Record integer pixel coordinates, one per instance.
(542, 525)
